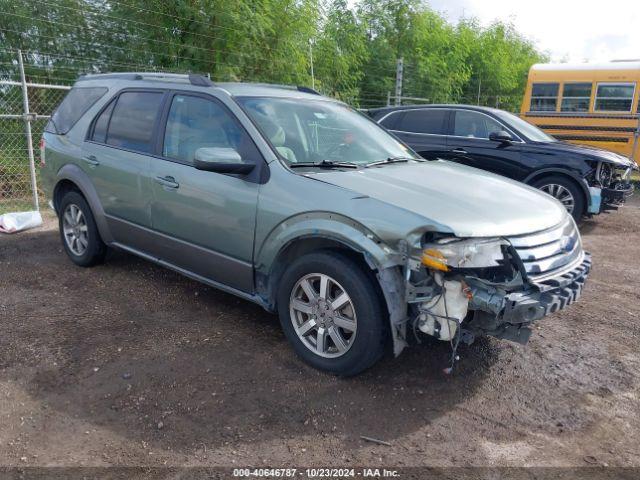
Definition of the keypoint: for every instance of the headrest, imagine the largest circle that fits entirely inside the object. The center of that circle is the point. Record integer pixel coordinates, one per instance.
(278, 137)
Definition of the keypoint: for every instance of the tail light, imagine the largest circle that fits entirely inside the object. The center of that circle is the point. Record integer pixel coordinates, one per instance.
(42, 159)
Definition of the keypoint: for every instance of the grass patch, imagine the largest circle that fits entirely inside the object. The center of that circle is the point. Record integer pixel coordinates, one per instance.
(12, 205)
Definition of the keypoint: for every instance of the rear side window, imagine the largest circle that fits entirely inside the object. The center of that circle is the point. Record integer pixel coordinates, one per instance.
(102, 124)
(423, 121)
(132, 120)
(544, 97)
(390, 120)
(74, 105)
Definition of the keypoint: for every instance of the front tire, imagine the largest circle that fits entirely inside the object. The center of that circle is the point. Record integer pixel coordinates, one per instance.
(331, 312)
(566, 192)
(78, 231)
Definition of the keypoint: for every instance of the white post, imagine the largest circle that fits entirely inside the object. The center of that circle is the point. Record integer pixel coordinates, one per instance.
(388, 98)
(27, 126)
(399, 69)
(313, 78)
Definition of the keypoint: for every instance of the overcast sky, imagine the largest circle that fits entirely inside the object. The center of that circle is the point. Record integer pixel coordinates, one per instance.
(572, 29)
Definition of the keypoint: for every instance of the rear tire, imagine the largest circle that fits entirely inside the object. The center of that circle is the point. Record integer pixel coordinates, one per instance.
(566, 191)
(339, 327)
(78, 231)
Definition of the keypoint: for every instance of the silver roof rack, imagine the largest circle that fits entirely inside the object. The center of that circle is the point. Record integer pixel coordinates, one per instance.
(192, 78)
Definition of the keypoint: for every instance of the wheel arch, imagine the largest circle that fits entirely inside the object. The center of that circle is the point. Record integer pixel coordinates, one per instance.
(576, 179)
(71, 177)
(327, 231)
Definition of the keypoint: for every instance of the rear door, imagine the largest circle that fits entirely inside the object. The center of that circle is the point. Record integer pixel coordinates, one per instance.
(469, 144)
(116, 156)
(422, 129)
(204, 222)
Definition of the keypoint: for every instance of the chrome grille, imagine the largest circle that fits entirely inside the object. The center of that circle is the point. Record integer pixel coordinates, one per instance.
(550, 252)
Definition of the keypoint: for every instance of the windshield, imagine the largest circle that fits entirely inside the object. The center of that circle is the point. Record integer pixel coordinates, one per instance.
(314, 131)
(532, 132)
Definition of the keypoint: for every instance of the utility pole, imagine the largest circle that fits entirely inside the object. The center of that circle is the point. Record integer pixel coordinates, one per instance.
(479, 85)
(399, 70)
(313, 78)
(388, 98)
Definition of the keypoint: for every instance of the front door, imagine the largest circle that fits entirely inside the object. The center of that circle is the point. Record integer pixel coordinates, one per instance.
(469, 144)
(204, 221)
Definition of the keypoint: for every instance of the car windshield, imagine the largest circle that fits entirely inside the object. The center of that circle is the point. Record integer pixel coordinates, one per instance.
(305, 131)
(532, 132)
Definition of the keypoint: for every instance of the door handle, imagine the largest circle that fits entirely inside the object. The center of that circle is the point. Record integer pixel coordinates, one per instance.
(459, 151)
(167, 181)
(91, 160)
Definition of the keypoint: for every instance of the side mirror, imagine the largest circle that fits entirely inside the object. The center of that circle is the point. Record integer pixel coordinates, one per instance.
(501, 136)
(220, 160)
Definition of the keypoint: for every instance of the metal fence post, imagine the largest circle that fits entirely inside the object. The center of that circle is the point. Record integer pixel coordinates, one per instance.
(27, 127)
(635, 140)
(399, 71)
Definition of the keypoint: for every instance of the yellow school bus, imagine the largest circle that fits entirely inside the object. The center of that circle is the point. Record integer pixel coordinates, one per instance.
(592, 104)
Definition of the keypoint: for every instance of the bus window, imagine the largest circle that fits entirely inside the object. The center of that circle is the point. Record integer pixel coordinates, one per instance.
(576, 97)
(544, 97)
(614, 97)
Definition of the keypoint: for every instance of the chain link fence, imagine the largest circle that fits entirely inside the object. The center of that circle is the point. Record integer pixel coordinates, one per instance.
(25, 108)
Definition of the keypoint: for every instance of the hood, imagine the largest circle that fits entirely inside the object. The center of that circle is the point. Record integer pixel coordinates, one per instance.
(469, 201)
(595, 153)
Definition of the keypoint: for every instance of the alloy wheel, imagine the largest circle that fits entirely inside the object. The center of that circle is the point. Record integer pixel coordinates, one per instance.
(560, 193)
(323, 315)
(74, 226)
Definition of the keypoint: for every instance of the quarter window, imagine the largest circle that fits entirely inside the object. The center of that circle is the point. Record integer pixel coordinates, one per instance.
(429, 121)
(544, 97)
(132, 120)
(576, 97)
(196, 122)
(74, 105)
(474, 125)
(614, 97)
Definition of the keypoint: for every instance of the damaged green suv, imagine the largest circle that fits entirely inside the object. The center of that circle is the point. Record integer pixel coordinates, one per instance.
(301, 204)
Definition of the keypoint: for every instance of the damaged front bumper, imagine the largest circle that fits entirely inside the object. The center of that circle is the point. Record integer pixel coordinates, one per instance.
(610, 191)
(509, 315)
(524, 279)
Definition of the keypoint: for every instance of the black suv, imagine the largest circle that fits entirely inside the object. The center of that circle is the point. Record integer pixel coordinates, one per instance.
(587, 180)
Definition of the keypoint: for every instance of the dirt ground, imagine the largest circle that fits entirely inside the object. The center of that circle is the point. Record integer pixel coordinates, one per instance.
(131, 364)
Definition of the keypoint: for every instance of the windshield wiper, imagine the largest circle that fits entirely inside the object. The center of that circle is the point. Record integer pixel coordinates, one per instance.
(324, 164)
(390, 160)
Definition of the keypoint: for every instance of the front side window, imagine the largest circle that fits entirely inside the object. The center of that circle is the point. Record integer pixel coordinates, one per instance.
(614, 97)
(523, 127)
(576, 97)
(305, 130)
(196, 122)
(132, 120)
(430, 121)
(74, 105)
(474, 125)
(544, 97)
